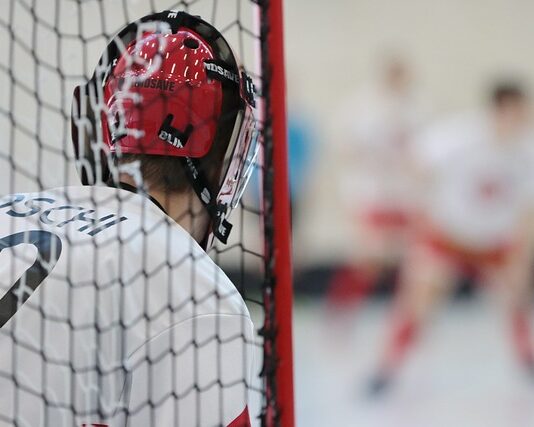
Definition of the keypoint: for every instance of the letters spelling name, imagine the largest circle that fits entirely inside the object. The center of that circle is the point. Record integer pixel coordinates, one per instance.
(20, 207)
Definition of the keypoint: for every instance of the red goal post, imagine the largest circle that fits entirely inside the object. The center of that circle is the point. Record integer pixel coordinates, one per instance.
(277, 186)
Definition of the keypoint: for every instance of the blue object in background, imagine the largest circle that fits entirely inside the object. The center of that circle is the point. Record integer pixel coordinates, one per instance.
(300, 150)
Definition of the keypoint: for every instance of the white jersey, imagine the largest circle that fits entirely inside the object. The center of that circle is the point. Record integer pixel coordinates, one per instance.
(379, 127)
(112, 315)
(480, 188)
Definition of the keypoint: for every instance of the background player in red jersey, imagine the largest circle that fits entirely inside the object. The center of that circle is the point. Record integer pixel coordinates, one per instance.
(474, 220)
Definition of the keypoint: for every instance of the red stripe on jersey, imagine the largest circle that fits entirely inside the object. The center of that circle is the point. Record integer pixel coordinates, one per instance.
(243, 420)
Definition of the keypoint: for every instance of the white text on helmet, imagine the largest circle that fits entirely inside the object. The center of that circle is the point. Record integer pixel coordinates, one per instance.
(173, 140)
(227, 74)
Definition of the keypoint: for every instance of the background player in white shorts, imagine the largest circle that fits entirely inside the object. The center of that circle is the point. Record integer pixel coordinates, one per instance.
(478, 175)
(111, 313)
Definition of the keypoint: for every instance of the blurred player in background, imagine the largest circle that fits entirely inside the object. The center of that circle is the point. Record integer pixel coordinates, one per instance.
(478, 173)
(123, 319)
(377, 130)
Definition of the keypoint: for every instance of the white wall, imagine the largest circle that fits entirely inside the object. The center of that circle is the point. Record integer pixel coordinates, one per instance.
(456, 45)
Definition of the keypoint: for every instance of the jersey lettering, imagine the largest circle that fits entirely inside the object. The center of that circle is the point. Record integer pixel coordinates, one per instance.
(21, 207)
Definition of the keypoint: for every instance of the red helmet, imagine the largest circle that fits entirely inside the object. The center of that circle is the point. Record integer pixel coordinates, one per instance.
(169, 84)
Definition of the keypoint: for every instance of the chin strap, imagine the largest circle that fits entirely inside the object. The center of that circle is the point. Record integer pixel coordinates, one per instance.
(220, 226)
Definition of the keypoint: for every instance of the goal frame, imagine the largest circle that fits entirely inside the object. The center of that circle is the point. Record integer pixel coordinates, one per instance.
(278, 344)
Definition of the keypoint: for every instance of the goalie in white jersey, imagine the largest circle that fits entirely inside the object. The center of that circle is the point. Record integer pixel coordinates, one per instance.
(111, 313)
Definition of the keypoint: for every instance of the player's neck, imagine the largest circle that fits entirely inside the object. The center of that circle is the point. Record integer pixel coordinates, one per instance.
(184, 208)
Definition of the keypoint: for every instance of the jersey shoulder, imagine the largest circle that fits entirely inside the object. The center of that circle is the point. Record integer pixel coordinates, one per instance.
(120, 236)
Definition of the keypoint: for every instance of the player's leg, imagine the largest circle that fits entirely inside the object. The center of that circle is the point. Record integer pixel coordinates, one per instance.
(426, 276)
(382, 234)
(513, 279)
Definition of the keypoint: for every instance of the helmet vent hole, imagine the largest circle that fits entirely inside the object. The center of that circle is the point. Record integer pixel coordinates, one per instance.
(191, 43)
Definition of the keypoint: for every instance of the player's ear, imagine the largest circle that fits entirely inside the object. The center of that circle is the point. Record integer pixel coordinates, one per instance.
(91, 158)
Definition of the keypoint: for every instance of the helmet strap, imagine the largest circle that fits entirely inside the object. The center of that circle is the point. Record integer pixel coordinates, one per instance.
(221, 228)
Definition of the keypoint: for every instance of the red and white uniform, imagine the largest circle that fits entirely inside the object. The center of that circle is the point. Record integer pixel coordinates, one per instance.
(119, 317)
(480, 189)
(380, 127)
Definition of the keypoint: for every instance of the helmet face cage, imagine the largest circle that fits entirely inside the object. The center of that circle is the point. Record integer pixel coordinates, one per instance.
(242, 147)
(240, 161)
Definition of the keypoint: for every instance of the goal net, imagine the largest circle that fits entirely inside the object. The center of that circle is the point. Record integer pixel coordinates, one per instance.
(49, 48)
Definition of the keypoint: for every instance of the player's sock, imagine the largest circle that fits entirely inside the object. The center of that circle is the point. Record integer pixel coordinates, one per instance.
(402, 337)
(522, 338)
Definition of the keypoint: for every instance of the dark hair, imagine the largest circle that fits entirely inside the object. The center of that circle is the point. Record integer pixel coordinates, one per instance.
(166, 173)
(507, 91)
